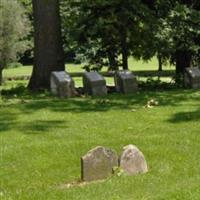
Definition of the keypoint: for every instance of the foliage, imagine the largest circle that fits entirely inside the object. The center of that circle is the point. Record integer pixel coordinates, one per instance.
(100, 30)
(27, 56)
(179, 31)
(104, 30)
(15, 91)
(14, 27)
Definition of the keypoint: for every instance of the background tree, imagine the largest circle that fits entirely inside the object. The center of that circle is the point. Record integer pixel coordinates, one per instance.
(27, 57)
(14, 27)
(108, 30)
(177, 33)
(48, 51)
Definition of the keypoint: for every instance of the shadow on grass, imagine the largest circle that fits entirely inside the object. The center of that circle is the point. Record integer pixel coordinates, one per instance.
(112, 101)
(7, 120)
(41, 126)
(186, 116)
(43, 100)
(30, 103)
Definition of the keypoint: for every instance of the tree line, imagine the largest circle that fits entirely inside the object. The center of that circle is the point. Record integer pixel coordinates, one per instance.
(105, 33)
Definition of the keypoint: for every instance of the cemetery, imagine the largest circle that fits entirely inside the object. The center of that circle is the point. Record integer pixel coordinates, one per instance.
(45, 139)
(99, 100)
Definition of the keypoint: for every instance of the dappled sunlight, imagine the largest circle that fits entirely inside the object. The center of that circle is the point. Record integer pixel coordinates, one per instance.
(183, 117)
(43, 137)
(7, 120)
(112, 101)
(42, 126)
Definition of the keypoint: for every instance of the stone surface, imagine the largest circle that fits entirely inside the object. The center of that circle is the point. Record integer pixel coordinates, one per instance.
(98, 164)
(125, 82)
(62, 84)
(192, 77)
(94, 84)
(132, 161)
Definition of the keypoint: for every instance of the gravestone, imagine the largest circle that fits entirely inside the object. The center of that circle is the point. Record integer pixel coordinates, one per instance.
(62, 84)
(98, 164)
(94, 84)
(132, 161)
(192, 77)
(125, 82)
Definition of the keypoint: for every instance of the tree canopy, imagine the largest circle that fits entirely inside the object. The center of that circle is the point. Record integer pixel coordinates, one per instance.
(103, 31)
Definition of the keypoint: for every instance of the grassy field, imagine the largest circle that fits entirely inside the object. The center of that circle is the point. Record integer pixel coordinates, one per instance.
(43, 137)
(133, 65)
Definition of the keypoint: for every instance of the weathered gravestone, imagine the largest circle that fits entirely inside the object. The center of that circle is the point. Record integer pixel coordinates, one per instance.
(98, 163)
(125, 82)
(62, 84)
(132, 161)
(94, 84)
(192, 77)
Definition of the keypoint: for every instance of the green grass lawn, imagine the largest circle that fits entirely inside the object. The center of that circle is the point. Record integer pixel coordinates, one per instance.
(43, 138)
(133, 65)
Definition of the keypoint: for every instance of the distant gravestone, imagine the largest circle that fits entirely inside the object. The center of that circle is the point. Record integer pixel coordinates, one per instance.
(132, 161)
(62, 84)
(125, 82)
(94, 84)
(192, 77)
(98, 164)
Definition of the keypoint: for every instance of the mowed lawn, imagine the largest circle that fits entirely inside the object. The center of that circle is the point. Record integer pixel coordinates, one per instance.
(71, 68)
(42, 139)
(133, 65)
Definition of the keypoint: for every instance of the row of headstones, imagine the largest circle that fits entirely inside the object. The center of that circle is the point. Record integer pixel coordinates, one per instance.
(94, 83)
(101, 163)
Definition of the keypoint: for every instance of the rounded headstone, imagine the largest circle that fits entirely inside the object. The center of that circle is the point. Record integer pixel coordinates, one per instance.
(132, 160)
(98, 163)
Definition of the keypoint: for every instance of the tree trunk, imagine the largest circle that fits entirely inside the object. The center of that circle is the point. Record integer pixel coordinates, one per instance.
(183, 60)
(48, 50)
(112, 57)
(124, 48)
(159, 63)
(1, 75)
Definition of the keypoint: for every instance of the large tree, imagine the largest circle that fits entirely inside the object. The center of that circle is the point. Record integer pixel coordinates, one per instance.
(48, 51)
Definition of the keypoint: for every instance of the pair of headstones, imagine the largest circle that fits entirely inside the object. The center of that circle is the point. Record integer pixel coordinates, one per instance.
(95, 84)
(192, 77)
(99, 163)
(63, 85)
